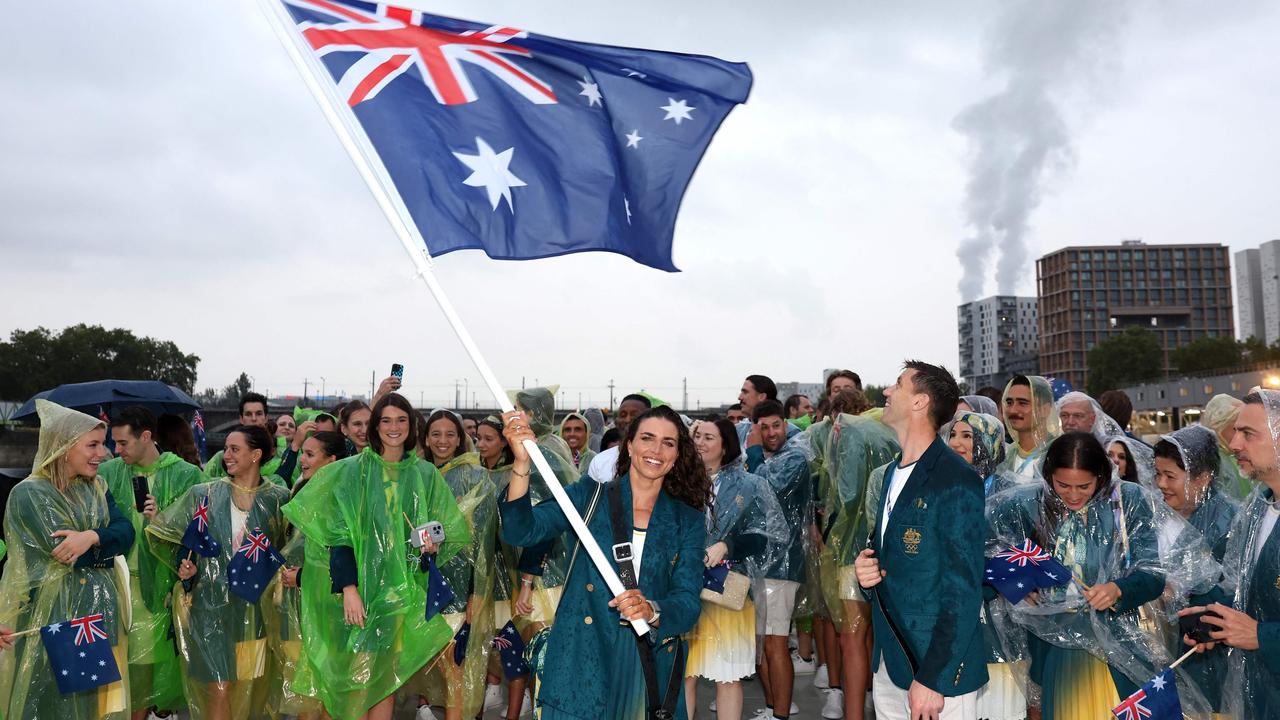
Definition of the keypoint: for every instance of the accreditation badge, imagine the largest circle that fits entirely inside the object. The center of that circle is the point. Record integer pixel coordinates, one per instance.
(911, 541)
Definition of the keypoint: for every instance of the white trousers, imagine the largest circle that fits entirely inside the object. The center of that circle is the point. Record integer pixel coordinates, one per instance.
(891, 701)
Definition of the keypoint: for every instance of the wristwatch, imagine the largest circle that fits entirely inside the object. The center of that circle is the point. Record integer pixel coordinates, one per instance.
(657, 611)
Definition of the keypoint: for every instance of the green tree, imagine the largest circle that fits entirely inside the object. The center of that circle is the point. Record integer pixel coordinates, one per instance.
(40, 359)
(875, 394)
(1123, 359)
(1207, 353)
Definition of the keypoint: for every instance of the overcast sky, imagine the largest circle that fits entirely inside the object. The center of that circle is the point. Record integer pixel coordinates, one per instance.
(163, 169)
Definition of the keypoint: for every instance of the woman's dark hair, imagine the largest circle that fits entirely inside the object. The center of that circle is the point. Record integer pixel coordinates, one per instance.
(850, 402)
(174, 435)
(257, 438)
(457, 425)
(728, 441)
(1200, 462)
(1072, 451)
(332, 443)
(764, 384)
(1130, 466)
(688, 481)
(610, 438)
(397, 401)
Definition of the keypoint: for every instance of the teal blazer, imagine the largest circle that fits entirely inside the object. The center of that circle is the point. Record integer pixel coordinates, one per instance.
(592, 668)
(932, 559)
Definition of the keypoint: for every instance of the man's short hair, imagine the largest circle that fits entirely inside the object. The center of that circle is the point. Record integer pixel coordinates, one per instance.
(638, 398)
(251, 397)
(1116, 404)
(137, 418)
(936, 382)
(768, 408)
(848, 374)
(735, 406)
(763, 384)
(793, 403)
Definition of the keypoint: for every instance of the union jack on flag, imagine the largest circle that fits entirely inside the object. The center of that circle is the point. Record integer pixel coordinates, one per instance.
(1156, 700)
(89, 628)
(253, 566)
(522, 145)
(255, 543)
(1029, 552)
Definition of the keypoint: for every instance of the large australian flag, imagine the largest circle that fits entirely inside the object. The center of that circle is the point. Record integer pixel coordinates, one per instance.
(522, 145)
(79, 653)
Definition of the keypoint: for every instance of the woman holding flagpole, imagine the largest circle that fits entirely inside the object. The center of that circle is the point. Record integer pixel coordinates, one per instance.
(655, 514)
(206, 533)
(360, 517)
(64, 533)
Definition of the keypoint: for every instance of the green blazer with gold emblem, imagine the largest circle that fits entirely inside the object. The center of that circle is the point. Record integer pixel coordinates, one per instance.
(932, 560)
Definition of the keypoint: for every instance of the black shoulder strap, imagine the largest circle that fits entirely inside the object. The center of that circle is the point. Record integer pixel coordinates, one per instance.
(659, 707)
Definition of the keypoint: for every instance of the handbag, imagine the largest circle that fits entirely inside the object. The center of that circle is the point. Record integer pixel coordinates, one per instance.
(734, 596)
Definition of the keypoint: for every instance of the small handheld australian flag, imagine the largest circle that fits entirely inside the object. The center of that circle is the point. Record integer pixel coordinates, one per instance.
(713, 577)
(511, 649)
(1020, 570)
(439, 594)
(253, 566)
(460, 643)
(197, 538)
(80, 654)
(1156, 700)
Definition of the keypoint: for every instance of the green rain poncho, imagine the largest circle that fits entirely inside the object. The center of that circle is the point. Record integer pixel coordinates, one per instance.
(284, 634)
(37, 590)
(582, 458)
(362, 503)
(221, 638)
(548, 562)
(470, 575)
(858, 444)
(154, 676)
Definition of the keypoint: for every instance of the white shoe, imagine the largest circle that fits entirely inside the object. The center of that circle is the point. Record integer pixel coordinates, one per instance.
(802, 666)
(821, 679)
(494, 697)
(766, 713)
(424, 713)
(526, 707)
(833, 709)
(712, 706)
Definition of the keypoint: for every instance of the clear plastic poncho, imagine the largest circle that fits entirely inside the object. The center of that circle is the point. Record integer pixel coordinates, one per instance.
(582, 458)
(982, 404)
(595, 424)
(470, 575)
(1139, 461)
(1220, 415)
(221, 638)
(1251, 582)
(787, 472)
(1075, 404)
(37, 590)
(539, 405)
(155, 678)
(284, 633)
(1043, 429)
(371, 505)
(1123, 532)
(858, 444)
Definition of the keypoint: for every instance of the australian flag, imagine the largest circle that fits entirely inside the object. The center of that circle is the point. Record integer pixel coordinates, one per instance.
(197, 538)
(439, 594)
(80, 654)
(713, 577)
(460, 640)
(511, 650)
(197, 430)
(522, 145)
(1019, 570)
(253, 566)
(1156, 700)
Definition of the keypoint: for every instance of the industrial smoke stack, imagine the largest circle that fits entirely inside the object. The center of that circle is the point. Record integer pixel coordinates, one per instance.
(1044, 52)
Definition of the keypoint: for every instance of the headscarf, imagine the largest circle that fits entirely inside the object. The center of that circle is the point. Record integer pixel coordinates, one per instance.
(988, 439)
(981, 404)
(60, 429)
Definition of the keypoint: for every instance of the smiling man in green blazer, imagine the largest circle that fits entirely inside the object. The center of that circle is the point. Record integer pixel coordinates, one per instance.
(924, 561)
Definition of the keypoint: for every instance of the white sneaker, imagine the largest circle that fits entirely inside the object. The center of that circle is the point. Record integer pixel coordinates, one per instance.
(424, 713)
(494, 697)
(802, 666)
(766, 713)
(712, 706)
(821, 679)
(833, 709)
(526, 707)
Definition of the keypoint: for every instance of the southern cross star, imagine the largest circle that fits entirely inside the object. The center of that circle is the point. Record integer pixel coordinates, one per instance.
(677, 110)
(591, 91)
(634, 138)
(490, 171)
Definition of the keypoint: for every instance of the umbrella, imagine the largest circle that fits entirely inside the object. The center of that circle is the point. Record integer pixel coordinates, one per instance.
(109, 395)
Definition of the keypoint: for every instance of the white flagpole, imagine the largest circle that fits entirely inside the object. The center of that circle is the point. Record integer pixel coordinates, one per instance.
(367, 162)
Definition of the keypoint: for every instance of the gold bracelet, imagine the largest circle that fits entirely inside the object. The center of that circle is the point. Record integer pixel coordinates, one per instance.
(523, 475)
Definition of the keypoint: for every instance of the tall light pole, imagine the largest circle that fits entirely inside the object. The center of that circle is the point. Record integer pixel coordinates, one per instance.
(322, 388)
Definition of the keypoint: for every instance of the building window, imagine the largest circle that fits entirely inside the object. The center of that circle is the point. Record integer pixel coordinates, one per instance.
(1208, 389)
(1183, 392)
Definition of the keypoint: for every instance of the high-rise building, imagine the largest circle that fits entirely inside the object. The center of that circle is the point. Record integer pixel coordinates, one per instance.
(997, 339)
(1088, 294)
(1258, 292)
